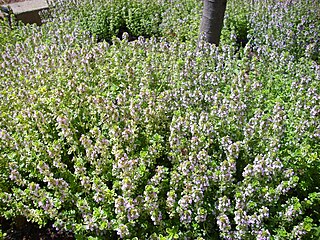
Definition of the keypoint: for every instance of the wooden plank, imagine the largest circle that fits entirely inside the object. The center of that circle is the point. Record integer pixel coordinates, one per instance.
(26, 11)
(28, 6)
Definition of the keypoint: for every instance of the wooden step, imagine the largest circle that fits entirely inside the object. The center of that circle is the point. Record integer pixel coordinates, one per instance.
(27, 11)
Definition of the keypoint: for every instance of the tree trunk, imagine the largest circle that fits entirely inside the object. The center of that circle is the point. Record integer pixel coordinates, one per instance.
(212, 20)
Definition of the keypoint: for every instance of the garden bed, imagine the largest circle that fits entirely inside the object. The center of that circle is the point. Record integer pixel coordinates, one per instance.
(166, 137)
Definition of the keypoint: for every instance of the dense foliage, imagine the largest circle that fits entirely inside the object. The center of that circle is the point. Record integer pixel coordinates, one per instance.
(107, 18)
(163, 137)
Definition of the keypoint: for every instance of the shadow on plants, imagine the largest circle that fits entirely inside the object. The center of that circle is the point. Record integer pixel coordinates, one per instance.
(20, 228)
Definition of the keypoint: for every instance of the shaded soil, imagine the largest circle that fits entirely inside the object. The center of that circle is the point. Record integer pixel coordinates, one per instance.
(20, 229)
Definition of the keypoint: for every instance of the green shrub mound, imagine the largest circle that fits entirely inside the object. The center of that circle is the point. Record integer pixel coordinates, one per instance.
(290, 26)
(158, 138)
(107, 18)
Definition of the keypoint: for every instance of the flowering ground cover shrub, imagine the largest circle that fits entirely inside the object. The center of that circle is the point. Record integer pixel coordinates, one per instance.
(158, 139)
(181, 20)
(9, 35)
(288, 26)
(105, 19)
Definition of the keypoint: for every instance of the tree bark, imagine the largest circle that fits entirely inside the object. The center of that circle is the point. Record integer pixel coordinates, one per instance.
(212, 20)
